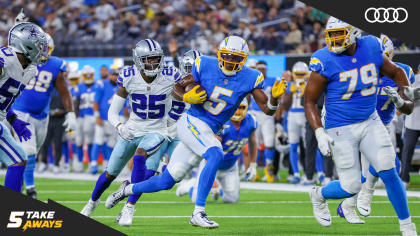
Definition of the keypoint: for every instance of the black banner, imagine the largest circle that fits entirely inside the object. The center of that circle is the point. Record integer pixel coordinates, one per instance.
(23, 215)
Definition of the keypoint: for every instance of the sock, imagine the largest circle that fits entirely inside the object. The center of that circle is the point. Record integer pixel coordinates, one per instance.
(371, 178)
(294, 157)
(396, 192)
(128, 190)
(333, 190)
(319, 161)
(66, 151)
(269, 156)
(351, 201)
(362, 177)
(164, 168)
(101, 185)
(137, 175)
(198, 209)
(94, 154)
(28, 174)
(397, 165)
(50, 155)
(405, 221)
(214, 157)
(14, 177)
(80, 154)
(155, 184)
(190, 193)
(90, 146)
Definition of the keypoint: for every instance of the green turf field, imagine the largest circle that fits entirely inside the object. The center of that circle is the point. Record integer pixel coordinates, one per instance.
(257, 213)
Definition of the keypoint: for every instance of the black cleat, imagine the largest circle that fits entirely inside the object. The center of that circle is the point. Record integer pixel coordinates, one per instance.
(31, 192)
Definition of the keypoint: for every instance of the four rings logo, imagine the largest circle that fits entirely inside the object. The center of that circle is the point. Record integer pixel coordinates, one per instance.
(389, 15)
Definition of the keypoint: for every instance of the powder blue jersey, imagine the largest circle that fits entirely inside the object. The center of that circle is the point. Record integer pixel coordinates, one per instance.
(351, 91)
(234, 140)
(386, 108)
(37, 95)
(269, 83)
(224, 93)
(104, 95)
(86, 95)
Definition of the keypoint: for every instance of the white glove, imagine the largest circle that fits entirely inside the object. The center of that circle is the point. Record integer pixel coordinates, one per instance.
(20, 17)
(126, 132)
(394, 96)
(323, 141)
(412, 93)
(70, 122)
(279, 128)
(251, 173)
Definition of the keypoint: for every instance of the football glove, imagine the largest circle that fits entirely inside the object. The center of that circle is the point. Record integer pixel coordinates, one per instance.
(412, 93)
(394, 96)
(126, 132)
(193, 97)
(251, 173)
(279, 88)
(21, 130)
(293, 88)
(323, 141)
(21, 17)
(70, 121)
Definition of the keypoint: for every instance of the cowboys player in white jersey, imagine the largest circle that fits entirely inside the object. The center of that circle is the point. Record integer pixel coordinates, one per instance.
(148, 84)
(27, 46)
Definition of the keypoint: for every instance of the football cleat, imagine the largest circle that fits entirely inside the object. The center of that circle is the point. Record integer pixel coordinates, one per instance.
(200, 220)
(320, 207)
(307, 182)
(31, 192)
(408, 229)
(321, 178)
(66, 168)
(364, 199)
(290, 177)
(295, 180)
(117, 196)
(117, 220)
(90, 207)
(257, 177)
(185, 187)
(268, 170)
(326, 181)
(42, 167)
(349, 213)
(127, 213)
(93, 170)
(215, 190)
(56, 170)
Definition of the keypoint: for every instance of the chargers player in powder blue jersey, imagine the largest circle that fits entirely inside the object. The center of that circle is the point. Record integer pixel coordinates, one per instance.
(242, 127)
(346, 70)
(227, 83)
(34, 107)
(386, 110)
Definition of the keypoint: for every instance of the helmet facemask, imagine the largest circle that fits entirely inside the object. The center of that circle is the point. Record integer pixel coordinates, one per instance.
(155, 68)
(185, 66)
(231, 62)
(40, 56)
(240, 113)
(300, 77)
(88, 78)
(332, 41)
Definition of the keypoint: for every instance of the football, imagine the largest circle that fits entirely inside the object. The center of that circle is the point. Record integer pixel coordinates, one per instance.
(191, 86)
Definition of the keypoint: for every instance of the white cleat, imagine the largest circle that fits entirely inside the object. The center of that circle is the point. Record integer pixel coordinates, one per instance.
(126, 215)
(326, 181)
(321, 211)
(42, 167)
(364, 199)
(215, 190)
(408, 229)
(348, 212)
(200, 220)
(90, 207)
(185, 187)
(117, 196)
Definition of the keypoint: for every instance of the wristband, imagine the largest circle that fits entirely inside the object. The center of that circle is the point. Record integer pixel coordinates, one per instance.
(400, 102)
(271, 107)
(319, 132)
(12, 119)
(253, 165)
(96, 114)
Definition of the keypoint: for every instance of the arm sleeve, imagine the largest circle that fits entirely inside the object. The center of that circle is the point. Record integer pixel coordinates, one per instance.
(114, 110)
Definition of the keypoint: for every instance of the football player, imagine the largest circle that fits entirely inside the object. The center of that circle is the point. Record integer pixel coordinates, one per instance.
(228, 82)
(347, 69)
(388, 99)
(125, 218)
(242, 128)
(85, 94)
(105, 134)
(34, 106)
(148, 84)
(296, 116)
(27, 46)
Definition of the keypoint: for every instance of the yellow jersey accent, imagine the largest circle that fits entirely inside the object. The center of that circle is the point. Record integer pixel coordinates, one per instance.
(197, 64)
(260, 79)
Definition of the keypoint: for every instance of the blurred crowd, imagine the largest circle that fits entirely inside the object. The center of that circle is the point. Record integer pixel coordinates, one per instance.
(98, 28)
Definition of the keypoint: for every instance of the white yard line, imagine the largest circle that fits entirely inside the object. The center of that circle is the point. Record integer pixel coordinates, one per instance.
(254, 202)
(243, 216)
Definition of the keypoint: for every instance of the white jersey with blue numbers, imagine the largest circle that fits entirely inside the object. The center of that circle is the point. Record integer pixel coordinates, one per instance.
(268, 86)
(13, 79)
(385, 107)
(352, 80)
(150, 103)
(224, 93)
(37, 96)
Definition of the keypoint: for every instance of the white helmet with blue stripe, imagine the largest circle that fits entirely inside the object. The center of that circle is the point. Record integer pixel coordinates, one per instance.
(187, 60)
(349, 35)
(232, 54)
(146, 50)
(388, 45)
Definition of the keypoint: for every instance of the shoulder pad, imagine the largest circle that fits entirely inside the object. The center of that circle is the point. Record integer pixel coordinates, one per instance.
(316, 65)
(197, 63)
(125, 76)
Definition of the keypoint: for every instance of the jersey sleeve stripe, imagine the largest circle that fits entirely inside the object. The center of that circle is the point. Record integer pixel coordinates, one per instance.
(1, 62)
(177, 76)
(120, 81)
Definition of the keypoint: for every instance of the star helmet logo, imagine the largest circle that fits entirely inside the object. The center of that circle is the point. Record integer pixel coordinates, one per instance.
(354, 60)
(338, 133)
(32, 32)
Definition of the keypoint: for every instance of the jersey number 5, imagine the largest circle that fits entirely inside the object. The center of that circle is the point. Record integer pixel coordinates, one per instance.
(215, 110)
(368, 75)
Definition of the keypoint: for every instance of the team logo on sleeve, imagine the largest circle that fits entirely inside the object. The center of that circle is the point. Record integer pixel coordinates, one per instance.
(260, 79)
(316, 63)
(34, 219)
(197, 63)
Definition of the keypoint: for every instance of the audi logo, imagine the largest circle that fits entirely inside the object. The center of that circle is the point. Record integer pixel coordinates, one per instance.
(382, 15)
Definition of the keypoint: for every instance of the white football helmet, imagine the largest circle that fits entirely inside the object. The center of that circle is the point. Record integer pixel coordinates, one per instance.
(252, 63)
(240, 113)
(232, 50)
(74, 77)
(388, 45)
(300, 72)
(88, 74)
(350, 35)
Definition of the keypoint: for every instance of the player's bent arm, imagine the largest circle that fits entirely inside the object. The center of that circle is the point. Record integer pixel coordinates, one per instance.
(62, 87)
(117, 104)
(316, 85)
(262, 100)
(252, 148)
(287, 101)
(398, 75)
(179, 88)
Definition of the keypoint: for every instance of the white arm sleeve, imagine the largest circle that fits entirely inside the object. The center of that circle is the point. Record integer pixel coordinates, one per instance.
(114, 110)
